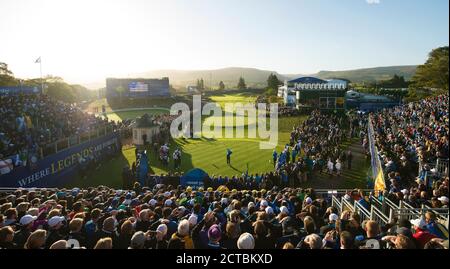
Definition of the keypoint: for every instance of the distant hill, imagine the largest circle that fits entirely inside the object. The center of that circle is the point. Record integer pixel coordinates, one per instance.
(230, 76)
(371, 74)
(257, 78)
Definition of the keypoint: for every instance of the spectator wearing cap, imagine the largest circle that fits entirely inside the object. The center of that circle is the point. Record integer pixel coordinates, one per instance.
(214, 236)
(55, 233)
(421, 235)
(143, 223)
(332, 218)
(7, 238)
(26, 226)
(444, 201)
(246, 241)
(181, 239)
(159, 240)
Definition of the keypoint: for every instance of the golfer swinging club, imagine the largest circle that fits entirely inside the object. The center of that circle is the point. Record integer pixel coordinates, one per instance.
(229, 152)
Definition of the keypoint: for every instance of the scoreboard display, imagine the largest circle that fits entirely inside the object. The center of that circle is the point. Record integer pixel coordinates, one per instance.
(137, 88)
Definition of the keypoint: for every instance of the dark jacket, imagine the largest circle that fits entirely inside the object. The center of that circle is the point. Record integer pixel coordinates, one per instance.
(53, 236)
(79, 236)
(20, 237)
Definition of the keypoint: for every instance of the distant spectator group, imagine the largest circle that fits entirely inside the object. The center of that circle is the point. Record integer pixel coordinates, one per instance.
(31, 122)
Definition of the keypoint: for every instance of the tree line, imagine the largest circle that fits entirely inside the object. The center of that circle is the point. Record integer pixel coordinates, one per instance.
(54, 86)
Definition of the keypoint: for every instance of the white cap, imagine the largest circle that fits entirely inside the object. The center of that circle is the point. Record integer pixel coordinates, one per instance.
(269, 210)
(167, 194)
(224, 200)
(308, 200)
(162, 228)
(264, 203)
(284, 210)
(246, 241)
(419, 222)
(251, 204)
(168, 202)
(443, 199)
(193, 219)
(333, 217)
(182, 209)
(27, 219)
(405, 191)
(55, 220)
(152, 202)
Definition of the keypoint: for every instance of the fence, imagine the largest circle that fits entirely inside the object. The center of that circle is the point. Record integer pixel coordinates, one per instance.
(72, 141)
(387, 211)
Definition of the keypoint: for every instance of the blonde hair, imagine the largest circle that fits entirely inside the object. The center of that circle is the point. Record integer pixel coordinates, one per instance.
(126, 228)
(36, 239)
(54, 212)
(104, 243)
(61, 244)
(76, 224)
(288, 245)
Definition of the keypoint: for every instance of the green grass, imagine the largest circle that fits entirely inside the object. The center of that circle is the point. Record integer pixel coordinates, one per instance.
(210, 154)
(122, 115)
(207, 154)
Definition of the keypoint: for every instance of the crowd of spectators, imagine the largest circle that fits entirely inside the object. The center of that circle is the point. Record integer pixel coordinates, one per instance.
(166, 217)
(411, 139)
(32, 122)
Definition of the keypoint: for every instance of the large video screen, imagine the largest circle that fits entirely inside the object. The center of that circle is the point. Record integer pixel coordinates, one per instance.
(137, 87)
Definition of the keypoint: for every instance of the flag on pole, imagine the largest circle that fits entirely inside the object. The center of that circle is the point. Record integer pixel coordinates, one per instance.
(38, 60)
(380, 185)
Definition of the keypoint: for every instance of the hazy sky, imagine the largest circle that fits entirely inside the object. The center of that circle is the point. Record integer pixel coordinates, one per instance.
(86, 40)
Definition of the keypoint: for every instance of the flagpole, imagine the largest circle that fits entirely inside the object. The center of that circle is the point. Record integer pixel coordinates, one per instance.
(42, 81)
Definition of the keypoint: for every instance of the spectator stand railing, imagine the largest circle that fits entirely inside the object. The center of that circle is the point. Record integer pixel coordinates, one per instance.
(11, 190)
(71, 141)
(441, 166)
(362, 211)
(374, 201)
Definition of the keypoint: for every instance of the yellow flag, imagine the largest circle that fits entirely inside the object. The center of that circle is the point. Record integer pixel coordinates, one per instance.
(380, 185)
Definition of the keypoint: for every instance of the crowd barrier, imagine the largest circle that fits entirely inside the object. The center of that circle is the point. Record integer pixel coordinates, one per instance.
(59, 169)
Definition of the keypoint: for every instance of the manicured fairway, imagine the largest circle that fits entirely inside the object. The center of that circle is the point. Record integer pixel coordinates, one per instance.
(132, 114)
(204, 153)
(208, 154)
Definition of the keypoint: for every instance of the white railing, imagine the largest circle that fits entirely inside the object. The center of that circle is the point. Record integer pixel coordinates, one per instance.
(378, 216)
(336, 203)
(346, 205)
(362, 211)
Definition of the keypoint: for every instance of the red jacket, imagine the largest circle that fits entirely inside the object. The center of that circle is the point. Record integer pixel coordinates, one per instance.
(422, 237)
